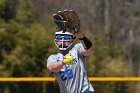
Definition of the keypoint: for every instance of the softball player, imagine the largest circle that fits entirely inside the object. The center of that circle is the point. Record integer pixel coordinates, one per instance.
(68, 66)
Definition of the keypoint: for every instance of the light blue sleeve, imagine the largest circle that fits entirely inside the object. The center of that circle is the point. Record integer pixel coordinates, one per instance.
(79, 47)
(55, 58)
(50, 59)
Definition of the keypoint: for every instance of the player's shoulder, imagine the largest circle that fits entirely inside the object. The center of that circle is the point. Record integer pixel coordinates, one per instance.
(54, 55)
(78, 45)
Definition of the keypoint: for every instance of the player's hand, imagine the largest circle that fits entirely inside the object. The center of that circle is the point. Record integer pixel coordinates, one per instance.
(68, 59)
(79, 35)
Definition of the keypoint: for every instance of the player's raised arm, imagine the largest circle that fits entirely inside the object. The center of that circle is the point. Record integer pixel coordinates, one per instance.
(88, 46)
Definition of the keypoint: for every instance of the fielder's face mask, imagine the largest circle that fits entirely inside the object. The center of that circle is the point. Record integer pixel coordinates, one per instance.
(63, 40)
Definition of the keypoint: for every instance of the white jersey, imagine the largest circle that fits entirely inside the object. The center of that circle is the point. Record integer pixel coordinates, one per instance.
(72, 78)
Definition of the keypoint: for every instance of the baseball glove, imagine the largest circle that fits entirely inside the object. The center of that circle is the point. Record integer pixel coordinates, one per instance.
(67, 21)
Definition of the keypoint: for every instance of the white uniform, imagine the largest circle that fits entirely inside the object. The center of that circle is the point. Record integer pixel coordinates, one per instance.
(72, 78)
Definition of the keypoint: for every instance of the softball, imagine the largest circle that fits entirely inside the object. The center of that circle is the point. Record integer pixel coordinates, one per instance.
(68, 60)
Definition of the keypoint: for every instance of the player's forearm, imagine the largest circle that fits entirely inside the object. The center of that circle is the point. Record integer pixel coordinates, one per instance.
(55, 66)
(86, 42)
(88, 46)
(89, 52)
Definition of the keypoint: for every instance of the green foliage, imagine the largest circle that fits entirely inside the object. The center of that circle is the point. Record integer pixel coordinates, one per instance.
(8, 9)
(23, 52)
(29, 51)
(26, 13)
(108, 58)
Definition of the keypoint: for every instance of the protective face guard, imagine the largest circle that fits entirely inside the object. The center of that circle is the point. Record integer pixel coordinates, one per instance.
(61, 38)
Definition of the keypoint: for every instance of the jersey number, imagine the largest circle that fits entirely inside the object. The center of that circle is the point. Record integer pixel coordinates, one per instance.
(67, 74)
(63, 75)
